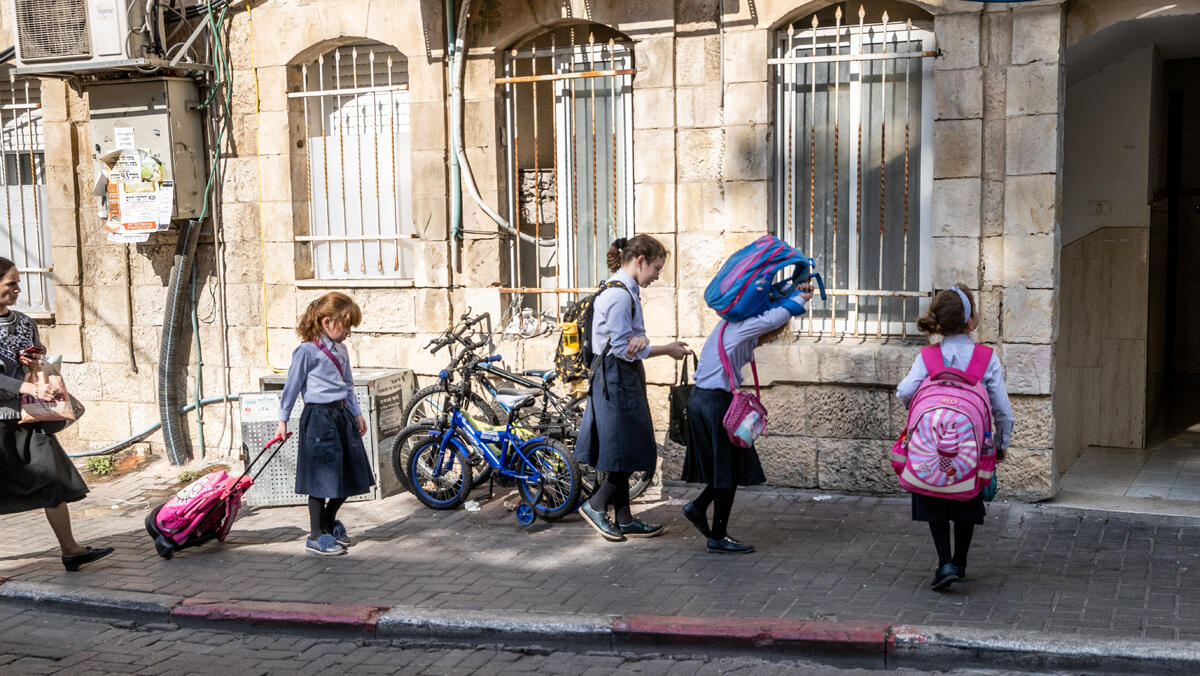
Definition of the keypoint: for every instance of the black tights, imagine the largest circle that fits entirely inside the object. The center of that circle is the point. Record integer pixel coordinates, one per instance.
(614, 491)
(722, 502)
(962, 541)
(322, 514)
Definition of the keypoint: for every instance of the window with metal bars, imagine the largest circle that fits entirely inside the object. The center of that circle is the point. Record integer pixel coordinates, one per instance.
(24, 227)
(569, 165)
(355, 104)
(853, 123)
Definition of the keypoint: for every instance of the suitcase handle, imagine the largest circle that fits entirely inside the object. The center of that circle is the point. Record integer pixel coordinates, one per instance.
(277, 441)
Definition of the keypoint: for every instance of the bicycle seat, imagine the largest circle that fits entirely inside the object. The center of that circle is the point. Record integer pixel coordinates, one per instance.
(514, 392)
(544, 374)
(513, 402)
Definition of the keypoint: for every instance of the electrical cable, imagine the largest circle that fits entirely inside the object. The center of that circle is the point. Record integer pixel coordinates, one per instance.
(262, 223)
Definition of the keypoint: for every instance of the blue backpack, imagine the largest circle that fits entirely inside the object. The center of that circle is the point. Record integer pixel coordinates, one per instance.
(743, 287)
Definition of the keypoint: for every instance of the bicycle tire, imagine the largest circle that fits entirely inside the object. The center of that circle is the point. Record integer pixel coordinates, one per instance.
(447, 490)
(477, 407)
(402, 450)
(559, 487)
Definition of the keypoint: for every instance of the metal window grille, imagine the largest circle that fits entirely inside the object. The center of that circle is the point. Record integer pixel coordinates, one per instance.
(25, 232)
(853, 114)
(356, 113)
(568, 163)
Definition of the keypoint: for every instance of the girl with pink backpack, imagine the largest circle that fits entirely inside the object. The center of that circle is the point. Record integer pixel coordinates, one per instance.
(947, 454)
(721, 427)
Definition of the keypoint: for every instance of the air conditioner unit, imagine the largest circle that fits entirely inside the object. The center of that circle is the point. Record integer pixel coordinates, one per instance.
(82, 33)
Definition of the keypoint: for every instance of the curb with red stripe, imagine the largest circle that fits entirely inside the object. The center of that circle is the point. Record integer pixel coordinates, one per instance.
(858, 643)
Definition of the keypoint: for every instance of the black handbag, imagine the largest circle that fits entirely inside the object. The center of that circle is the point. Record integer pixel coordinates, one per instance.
(677, 427)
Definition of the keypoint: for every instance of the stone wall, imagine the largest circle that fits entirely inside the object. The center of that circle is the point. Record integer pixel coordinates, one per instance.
(702, 139)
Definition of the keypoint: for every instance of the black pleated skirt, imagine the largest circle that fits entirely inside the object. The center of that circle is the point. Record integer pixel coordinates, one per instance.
(331, 462)
(711, 457)
(35, 471)
(929, 508)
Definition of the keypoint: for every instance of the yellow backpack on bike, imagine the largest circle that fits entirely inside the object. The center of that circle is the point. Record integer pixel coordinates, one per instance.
(573, 356)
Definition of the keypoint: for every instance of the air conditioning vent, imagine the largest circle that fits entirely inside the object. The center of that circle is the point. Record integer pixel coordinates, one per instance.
(53, 30)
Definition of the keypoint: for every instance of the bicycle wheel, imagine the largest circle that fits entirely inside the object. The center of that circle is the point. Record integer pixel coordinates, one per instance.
(428, 405)
(402, 447)
(440, 479)
(560, 479)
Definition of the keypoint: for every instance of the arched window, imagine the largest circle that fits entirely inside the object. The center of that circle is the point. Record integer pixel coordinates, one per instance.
(355, 105)
(853, 175)
(569, 143)
(24, 228)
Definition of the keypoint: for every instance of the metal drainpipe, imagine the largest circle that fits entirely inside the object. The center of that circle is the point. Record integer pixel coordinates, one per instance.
(455, 173)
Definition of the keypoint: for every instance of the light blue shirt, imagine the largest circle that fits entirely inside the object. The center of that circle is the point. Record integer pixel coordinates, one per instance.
(613, 323)
(313, 376)
(740, 340)
(956, 352)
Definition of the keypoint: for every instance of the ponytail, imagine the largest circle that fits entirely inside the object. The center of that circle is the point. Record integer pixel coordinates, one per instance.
(947, 312)
(624, 250)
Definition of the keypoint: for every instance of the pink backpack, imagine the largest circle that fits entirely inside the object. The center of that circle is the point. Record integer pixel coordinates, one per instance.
(202, 506)
(746, 418)
(942, 451)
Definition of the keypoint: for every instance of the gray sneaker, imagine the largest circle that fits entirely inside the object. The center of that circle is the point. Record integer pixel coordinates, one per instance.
(325, 545)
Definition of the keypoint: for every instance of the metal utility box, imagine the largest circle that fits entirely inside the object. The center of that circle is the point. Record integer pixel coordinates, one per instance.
(382, 393)
(162, 115)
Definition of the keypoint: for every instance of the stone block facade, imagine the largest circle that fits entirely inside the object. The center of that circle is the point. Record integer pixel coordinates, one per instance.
(702, 168)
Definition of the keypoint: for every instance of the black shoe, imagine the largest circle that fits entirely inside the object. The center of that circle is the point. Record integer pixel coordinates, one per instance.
(693, 514)
(727, 546)
(961, 571)
(600, 521)
(72, 563)
(640, 529)
(944, 576)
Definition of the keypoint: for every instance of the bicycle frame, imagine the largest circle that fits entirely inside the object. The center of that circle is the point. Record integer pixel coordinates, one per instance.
(483, 440)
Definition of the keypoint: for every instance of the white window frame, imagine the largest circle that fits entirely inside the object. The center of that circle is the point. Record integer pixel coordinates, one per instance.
(22, 139)
(344, 201)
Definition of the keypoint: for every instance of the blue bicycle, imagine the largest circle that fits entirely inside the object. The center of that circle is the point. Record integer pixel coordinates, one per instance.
(439, 460)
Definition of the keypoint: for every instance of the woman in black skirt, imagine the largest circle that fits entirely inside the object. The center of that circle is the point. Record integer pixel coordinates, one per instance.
(711, 458)
(35, 472)
(616, 435)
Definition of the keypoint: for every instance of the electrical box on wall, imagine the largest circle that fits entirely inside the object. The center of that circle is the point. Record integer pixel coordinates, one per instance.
(148, 144)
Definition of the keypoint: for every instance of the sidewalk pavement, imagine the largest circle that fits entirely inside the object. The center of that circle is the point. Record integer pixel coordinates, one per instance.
(840, 576)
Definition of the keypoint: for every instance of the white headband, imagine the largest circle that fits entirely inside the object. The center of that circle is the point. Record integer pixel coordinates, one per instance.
(966, 303)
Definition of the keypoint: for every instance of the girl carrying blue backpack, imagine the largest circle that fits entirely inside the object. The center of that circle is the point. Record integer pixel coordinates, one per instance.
(953, 315)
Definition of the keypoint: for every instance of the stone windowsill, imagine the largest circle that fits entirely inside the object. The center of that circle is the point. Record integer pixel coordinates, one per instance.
(354, 283)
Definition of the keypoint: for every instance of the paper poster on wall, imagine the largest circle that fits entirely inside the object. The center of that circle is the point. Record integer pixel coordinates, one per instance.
(137, 199)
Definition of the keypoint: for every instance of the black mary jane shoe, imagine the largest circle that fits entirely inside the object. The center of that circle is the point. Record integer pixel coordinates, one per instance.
(728, 546)
(944, 576)
(600, 521)
(73, 562)
(961, 571)
(640, 529)
(693, 514)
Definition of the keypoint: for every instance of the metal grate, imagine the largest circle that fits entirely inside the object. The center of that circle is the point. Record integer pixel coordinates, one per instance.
(24, 228)
(569, 159)
(53, 29)
(853, 116)
(355, 105)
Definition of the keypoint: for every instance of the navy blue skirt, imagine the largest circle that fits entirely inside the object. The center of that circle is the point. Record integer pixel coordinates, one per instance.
(332, 462)
(711, 457)
(617, 434)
